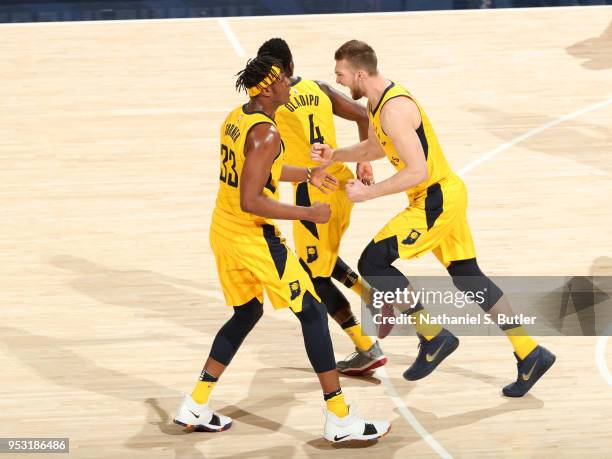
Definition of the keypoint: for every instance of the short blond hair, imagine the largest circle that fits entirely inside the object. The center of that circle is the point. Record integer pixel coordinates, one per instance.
(359, 54)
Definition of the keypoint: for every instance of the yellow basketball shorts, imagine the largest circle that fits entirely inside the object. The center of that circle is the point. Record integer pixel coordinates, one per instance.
(318, 244)
(251, 259)
(436, 222)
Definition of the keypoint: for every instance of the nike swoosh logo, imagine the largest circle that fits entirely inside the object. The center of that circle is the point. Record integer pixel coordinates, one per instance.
(528, 375)
(196, 415)
(337, 438)
(431, 357)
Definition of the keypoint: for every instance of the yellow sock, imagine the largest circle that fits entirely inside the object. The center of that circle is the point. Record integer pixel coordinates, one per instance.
(202, 391)
(429, 331)
(362, 342)
(336, 404)
(522, 343)
(362, 288)
(203, 387)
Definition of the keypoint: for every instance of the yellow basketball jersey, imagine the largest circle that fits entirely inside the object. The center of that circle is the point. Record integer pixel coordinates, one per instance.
(307, 118)
(437, 166)
(234, 132)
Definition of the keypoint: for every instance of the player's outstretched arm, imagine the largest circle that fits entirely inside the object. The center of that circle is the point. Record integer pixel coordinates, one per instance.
(400, 120)
(261, 148)
(317, 177)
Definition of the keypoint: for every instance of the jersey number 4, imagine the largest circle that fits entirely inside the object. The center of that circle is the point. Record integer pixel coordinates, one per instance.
(228, 176)
(314, 130)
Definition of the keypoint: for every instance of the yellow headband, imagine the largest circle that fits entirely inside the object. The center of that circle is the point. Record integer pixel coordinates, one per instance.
(267, 81)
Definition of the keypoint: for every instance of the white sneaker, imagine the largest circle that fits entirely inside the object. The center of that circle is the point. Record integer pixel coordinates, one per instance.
(200, 417)
(352, 427)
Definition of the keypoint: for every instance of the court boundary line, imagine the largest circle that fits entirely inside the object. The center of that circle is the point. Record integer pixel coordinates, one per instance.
(600, 354)
(409, 416)
(231, 36)
(302, 16)
(531, 133)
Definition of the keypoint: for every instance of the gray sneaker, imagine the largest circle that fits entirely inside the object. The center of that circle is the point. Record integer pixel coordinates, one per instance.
(361, 362)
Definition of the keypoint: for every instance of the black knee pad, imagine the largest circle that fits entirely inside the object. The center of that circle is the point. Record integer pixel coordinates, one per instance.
(371, 257)
(312, 310)
(249, 314)
(376, 265)
(234, 331)
(377, 257)
(464, 268)
(313, 319)
(331, 296)
(468, 277)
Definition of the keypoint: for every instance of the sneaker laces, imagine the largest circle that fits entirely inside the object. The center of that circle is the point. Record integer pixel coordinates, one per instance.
(420, 346)
(351, 356)
(353, 411)
(422, 340)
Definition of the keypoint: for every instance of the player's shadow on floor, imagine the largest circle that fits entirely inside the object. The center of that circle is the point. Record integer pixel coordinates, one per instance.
(55, 362)
(179, 301)
(595, 52)
(354, 381)
(263, 412)
(185, 443)
(167, 297)
(324, 445)
(449, 368)
(176, 300)
(491, 380)
(434, 423)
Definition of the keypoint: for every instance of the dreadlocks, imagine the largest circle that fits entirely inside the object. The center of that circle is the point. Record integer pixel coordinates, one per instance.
(279, 49)
(256, 71)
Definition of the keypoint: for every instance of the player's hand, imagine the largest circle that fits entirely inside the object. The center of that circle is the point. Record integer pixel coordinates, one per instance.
(323, 181)
(319, 212)
(357, 191)
(322, 153)
(365, 173)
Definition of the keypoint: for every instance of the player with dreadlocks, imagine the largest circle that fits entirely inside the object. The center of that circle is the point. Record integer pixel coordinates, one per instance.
(251, 255)
(306, 119)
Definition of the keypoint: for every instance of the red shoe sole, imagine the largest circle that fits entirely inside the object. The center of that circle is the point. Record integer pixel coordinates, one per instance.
(369, 368)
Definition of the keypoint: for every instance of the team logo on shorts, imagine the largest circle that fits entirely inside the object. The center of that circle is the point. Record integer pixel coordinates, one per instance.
(295, 289)
(311, 252)
(412, 237)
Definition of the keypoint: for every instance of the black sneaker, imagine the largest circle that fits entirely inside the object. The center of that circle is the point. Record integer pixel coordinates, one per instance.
(431, 354)
(530, 369)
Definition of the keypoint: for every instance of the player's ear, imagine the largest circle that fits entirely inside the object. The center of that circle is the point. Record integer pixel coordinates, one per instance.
(267, 92)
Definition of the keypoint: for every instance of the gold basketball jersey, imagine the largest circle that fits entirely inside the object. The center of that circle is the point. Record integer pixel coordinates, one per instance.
(307, 118)
(437, 166)
(234, 132)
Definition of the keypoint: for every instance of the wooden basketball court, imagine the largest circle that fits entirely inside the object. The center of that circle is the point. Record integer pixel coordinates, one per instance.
(108, 174)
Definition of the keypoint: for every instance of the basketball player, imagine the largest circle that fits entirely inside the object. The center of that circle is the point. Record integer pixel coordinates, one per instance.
(434, 221)
(308, 118)
(251, 255)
